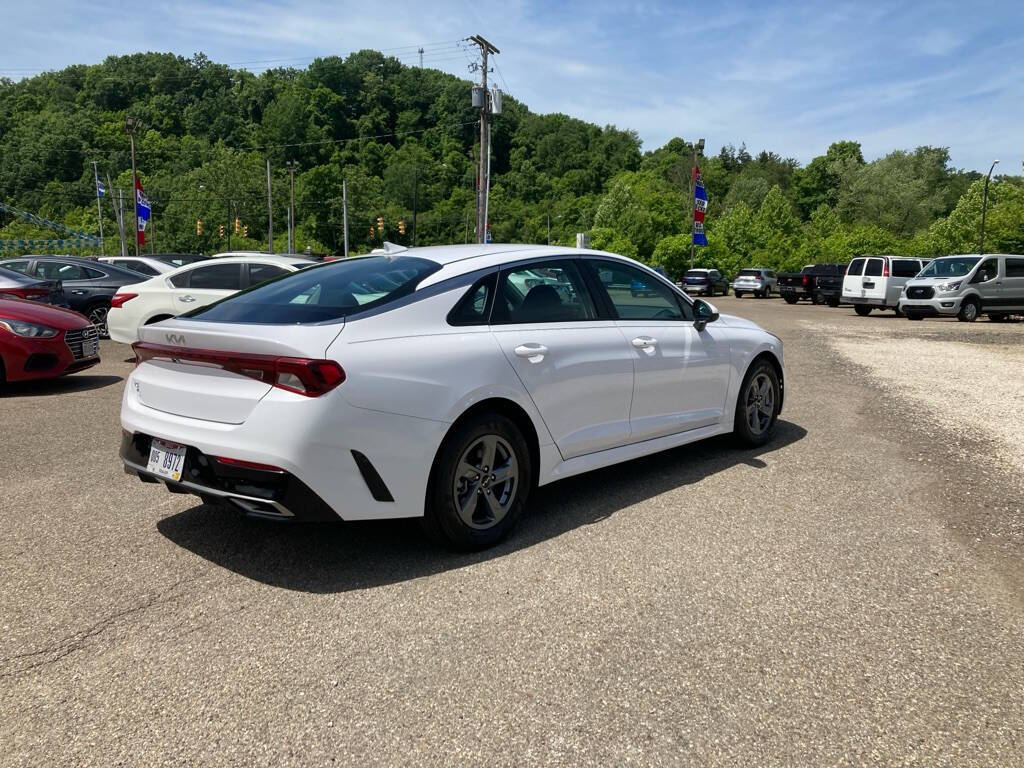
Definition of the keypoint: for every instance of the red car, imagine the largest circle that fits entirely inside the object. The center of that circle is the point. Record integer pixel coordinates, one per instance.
(39, 341)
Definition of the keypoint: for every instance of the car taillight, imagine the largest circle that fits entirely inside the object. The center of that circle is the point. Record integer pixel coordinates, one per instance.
(27, 293)
(119, 299)
(807, 280)
(885, 270)
(301, 375)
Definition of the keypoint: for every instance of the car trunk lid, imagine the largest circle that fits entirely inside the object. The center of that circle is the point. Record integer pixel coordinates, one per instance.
(217, 371)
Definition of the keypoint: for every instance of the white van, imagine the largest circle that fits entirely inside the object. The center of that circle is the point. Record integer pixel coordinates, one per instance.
(875, 282)
(966, 287)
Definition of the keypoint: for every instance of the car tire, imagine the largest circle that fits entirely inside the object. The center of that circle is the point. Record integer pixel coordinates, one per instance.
(898, 311)
(760, 391)
(997, 317)
(913, 315)
(791, 299)
(461, 511)
(97, 315)
(969, 311)
(833, 303)
(862, 309)
(738, 294)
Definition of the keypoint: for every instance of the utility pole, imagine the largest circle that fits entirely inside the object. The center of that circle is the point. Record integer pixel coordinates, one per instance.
(118, 215)
(415, 190)
(292, 166)
(984, 205)
(421, 58)
(99, 207)
(227, 209)
(344, 214)
(131, 125)
(270, 214)
(484, 182)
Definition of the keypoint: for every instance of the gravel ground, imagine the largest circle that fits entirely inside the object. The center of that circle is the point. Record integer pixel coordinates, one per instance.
(832, 599)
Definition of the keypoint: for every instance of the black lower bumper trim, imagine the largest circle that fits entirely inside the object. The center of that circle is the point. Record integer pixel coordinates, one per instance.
(260, 493)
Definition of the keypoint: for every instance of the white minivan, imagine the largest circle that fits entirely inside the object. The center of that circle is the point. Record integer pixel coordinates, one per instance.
(966, 287)
(875, 282)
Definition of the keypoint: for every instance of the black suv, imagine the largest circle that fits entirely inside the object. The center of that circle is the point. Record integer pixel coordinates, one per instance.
(88, 284)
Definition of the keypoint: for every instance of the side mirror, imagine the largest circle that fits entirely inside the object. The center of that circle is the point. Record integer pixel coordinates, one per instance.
(703, 313)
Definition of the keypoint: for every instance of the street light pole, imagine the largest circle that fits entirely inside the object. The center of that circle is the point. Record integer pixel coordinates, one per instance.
(984, 205)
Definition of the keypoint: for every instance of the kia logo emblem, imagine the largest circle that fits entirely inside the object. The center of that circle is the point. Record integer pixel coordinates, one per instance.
(174, 338)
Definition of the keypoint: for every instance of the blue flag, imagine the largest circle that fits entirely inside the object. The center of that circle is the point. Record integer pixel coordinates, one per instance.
(100, 189)
(141, 200)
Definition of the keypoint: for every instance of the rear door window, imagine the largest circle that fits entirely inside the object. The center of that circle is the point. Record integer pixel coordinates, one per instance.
(873, 268)
(543, 292)
(856, 267)
(1015, 267)
(56, 270)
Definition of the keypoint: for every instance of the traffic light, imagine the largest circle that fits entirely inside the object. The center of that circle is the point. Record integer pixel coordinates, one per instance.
(238, 225)
(245, 231)
(372, 231)
(401, 226)
(380, 224)
(221, 231)
(199, 226)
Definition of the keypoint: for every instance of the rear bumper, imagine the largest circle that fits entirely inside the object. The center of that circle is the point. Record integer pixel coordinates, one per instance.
(863, 300)
(315, 441)
(255, 492)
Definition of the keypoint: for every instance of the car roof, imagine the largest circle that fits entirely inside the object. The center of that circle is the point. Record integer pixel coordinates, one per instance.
(259, 258)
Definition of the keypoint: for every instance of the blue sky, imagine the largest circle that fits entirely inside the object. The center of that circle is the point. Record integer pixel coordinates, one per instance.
(790, 77)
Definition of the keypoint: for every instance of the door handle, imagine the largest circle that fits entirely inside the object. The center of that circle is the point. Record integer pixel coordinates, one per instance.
(532, 352)
(643, 342)
(186, 297)
(78, 293)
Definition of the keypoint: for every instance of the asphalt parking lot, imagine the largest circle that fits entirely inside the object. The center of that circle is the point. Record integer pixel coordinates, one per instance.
(849, 595)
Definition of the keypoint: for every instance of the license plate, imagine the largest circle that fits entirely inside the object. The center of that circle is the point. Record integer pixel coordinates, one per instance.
(166, 459)
(90, 347)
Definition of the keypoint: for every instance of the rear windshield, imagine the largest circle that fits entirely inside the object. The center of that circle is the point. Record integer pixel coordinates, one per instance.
(749, 273)
(856, 267)
(699, 274)
(322, 293)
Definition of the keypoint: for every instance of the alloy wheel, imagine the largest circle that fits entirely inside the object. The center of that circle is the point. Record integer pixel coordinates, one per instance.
(486, 482)
(98, 317)
(760, 403)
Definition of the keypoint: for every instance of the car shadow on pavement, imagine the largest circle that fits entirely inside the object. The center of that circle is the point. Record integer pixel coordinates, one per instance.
(58, 386)
(327, 558)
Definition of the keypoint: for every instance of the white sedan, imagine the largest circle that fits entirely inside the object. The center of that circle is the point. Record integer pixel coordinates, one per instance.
(428, 383)
(189, 287)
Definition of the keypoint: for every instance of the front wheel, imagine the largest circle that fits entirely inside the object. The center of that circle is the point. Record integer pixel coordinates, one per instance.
(862, 309)
(969, 311)
(738, 294)
(757, 407)
(791, 299)
(479, 485)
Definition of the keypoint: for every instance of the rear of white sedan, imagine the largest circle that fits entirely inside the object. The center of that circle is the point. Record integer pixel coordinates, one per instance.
(436, 383)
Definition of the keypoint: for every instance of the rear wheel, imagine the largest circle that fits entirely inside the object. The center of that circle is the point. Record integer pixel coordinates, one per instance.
(969, 311)
(738, 294)
(757, 407)
(481, 479)
(791, 299)
(97, 315)
(833, 303)
(862, 309)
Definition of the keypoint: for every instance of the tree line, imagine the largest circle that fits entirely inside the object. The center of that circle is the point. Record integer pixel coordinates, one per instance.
(403, 138)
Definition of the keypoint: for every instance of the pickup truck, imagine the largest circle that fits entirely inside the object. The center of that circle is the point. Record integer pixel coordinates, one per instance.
(821, 283)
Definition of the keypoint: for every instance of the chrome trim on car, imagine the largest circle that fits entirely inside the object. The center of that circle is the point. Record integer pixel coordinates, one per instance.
(245, 502)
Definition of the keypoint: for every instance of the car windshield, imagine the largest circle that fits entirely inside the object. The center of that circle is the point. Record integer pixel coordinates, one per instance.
(749, 273)
(322, 292)
(950, 266)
